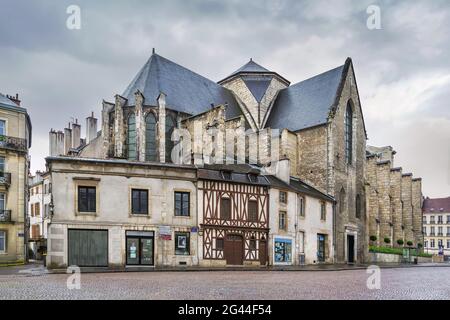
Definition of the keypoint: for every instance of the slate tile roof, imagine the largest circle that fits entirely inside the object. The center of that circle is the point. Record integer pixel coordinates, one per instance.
(5, 101)
(307, 103)
(435, 205)
(186, 90)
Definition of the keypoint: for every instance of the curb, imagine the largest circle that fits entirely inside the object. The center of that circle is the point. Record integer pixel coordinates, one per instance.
(306, 269)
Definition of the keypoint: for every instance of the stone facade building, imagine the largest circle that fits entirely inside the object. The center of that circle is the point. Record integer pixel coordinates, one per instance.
(436, 225)
(394, 200)
(319, 121)
(38, 214)
(15, 140)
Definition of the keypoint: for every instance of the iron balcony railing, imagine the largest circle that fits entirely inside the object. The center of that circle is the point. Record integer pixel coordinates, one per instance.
(5, 216)
(13, 143)
(5, 178)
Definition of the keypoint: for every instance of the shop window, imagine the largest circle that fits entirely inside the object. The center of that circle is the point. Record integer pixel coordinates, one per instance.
(182, 243)
(282, 250)
(182, 204)
(86, 199)
(139, 201)
(253, 210)
(225, 209)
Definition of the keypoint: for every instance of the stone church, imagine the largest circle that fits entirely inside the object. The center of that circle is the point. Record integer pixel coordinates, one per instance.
(320, 122)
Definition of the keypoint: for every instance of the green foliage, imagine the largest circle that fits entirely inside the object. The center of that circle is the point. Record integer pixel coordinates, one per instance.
(387, 240)
(373, 238)
(400, 242)
(409, 243)
(389, 250)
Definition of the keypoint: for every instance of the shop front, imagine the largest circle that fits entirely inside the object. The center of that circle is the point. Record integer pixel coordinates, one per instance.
(282, 251)
(140, 248)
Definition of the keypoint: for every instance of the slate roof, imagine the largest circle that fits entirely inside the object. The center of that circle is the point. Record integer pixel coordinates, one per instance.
(250, 67)
(307, 103)
(186, 90)
(5, 101)
(435, 205)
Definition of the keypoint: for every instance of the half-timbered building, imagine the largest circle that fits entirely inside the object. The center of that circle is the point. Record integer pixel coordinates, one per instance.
(234, 221)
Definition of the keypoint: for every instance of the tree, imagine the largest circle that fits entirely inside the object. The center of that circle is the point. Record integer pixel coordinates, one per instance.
(400, 242)
(387, 240)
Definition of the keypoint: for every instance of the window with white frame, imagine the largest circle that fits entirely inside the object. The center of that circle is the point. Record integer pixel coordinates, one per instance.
(2, 128)
(2, 241)
(432, 243)
(301, 206)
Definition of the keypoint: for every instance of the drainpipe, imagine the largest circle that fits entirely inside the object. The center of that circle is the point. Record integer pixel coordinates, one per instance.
(25, 208)
(334, 233)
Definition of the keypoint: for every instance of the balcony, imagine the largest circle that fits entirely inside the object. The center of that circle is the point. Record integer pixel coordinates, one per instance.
(13, 143)
(5, 216)
(5, 178)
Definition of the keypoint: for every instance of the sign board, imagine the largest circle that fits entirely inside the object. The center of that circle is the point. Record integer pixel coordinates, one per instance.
(165, 232)
(194, 229)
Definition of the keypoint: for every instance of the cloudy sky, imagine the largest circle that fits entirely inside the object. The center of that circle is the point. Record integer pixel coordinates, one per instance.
(402, 69)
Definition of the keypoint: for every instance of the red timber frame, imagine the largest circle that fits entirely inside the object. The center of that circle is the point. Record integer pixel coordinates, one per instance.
(216, 228)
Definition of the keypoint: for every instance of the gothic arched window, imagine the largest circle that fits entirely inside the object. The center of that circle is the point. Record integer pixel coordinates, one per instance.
(150, 138)
(358, 206)
(170, 125)
(131, 137)
(349, 133)
(342, 201)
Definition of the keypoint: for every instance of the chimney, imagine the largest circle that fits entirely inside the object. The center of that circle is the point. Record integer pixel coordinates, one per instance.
(91, 128)
(67, 139)
(283, 170)
(52, 137)
(14, 99)
(76, 134)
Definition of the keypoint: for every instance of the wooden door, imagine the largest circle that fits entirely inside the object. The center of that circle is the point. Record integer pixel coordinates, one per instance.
(263, 253)
(234, 249)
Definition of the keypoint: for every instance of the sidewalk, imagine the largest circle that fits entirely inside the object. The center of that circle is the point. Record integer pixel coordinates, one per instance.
(38, 269)
(322, 267)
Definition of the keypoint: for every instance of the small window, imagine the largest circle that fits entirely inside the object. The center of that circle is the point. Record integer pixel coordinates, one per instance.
(253, 177)
(283, 197)
(87, 199)
(226, 175)
(139, 201)
(2, 241)
(253, 210)
(282, 220)
(323, 211)
(301, 206)
(2, 164)
(182, 243)
(37, 209)
(219, 243)
(225, 209)
(358, 206)
(182, 204)
(252, 244)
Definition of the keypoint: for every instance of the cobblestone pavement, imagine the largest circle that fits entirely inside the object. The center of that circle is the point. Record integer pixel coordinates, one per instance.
(397, 283)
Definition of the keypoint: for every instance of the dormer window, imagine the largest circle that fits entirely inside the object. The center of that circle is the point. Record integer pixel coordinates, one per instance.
(253, 177)
(226, 175)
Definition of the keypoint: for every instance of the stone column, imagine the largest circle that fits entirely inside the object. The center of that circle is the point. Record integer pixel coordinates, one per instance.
(407, 206)
(396, 204)
(119, 139)
(383, 187)
(417, 210)
(106, 130)
(371, 196)
(162, 127)
(140, 126)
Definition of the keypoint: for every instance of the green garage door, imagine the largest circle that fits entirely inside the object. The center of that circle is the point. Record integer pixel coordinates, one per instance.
(88, 248)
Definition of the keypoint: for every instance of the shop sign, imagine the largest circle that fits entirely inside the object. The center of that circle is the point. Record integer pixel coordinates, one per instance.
(165, 232)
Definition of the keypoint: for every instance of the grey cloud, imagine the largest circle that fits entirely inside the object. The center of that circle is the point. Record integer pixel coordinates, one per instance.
(61, 73)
